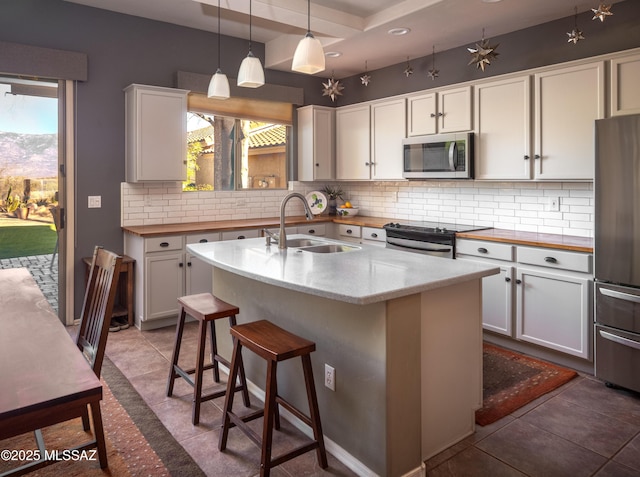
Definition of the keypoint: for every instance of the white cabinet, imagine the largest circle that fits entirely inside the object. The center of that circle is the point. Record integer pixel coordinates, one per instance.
(374, 236)
(350, 233)
(567, 102)
(353, 143)
(625, 78)
(312, 229)
(369, 140)
(388, 129)
(316, 143)
(551, 289)
(442, 111)
(164, 272)
(240, 234)
(503, 129)
(156, 133)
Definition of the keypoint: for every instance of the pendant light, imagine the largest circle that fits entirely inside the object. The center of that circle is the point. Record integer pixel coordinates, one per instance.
(309, 55)
(219, 84)
(251, 74)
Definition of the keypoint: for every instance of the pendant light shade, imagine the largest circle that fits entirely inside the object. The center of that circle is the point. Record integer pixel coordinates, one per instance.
(219, 84)
(309, 55)
(251, 74)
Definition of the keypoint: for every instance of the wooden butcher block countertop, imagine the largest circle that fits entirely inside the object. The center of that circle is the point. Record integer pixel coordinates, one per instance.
(562, 242)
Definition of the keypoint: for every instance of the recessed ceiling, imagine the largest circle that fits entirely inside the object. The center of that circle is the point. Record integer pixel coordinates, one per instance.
(358, 29)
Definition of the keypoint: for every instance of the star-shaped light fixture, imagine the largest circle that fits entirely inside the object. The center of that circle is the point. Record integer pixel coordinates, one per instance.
(575, 35)
(433, 73)
(483, 53)
(332, 88)
(365, 78)
(408, 71)
(601, 12)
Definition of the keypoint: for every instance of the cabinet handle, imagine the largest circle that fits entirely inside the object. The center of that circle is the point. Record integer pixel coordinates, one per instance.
(483, 250)
(519, 282)
(311, 231)
(188, 264)
(181, 264)
(550, 260)
(164, 244)
(203, 240)
(317, 164)
(349, 231)
(240, 237)
(537, 156)
(367, 163)
(374, 235)
(507, 279)
(440, 114)
(433, 115)
(526, 157)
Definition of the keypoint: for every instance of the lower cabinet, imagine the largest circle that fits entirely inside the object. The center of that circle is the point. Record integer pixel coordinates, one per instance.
(541, 296)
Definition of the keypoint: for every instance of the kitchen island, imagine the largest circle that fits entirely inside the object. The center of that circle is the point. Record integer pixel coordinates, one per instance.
(403, 332)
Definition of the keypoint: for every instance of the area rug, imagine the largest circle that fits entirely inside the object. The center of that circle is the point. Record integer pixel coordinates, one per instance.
(511, 380)
(137, 442)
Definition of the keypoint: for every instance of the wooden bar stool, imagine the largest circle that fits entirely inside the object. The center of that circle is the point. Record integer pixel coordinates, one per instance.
(205, 308)
(273, 344)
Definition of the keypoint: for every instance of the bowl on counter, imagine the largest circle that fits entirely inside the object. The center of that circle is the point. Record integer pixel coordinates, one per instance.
(346, 211)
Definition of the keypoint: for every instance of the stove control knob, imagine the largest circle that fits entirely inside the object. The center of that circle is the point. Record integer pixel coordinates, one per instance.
(438, 229)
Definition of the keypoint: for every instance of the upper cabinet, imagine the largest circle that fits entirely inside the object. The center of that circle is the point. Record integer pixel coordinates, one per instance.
(316, 143)
(156, 133)
(443, 111)
(625, 78)
(369, 140)
(565, 103)
(503, 129)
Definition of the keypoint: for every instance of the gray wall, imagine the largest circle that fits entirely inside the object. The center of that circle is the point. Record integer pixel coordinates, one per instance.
(124, 49)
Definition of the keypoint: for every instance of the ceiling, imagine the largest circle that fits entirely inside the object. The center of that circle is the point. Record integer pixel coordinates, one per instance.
(358, 29)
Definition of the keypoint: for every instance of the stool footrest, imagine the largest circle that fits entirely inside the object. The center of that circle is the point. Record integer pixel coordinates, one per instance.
(294, 453)
(240, 422)
(296, 412)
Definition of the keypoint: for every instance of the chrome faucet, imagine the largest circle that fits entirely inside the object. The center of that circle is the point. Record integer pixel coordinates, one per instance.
(282, 236)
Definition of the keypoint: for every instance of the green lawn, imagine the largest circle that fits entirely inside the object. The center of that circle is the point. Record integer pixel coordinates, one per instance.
(17, 241)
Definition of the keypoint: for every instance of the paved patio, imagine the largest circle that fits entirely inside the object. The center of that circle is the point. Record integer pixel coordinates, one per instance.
(40, 267)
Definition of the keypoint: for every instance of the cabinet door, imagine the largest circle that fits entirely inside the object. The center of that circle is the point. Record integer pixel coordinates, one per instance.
(421, 114)
(503, 126)
(156, 133)
(568, 101)
(387, 131)
(164, 283)
(316, 143)
(625, 78)
(454, 110)
(553, 310)
(199, 276)
(353, 154)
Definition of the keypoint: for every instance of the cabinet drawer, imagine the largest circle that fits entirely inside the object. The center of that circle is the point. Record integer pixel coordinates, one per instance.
(545, 257)
(203, 238)
(372, 233)
(240, 234)
(317, 229)
(349, 230)
(497, 251)
(162, 244)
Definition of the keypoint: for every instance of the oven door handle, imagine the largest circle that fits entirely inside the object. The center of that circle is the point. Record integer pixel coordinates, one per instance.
(419, 249)
(620, 340)
(620, 295)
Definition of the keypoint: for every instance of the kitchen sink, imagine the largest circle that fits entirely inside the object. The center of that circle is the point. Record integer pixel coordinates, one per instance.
(302, 242)
(330, 248)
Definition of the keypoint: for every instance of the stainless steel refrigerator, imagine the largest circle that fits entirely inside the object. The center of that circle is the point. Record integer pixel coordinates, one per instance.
(617, 251)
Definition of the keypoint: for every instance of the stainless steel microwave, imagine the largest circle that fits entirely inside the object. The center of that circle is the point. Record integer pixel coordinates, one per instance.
(440, 156)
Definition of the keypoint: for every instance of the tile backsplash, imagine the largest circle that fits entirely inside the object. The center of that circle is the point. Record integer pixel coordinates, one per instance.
(523, 206)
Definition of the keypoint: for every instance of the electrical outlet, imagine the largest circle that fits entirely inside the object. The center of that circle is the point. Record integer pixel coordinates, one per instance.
(95, 201)
(554, 204)
(241, 202)
(330, 377)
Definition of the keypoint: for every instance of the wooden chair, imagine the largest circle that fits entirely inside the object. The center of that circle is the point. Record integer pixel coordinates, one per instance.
(99, 299)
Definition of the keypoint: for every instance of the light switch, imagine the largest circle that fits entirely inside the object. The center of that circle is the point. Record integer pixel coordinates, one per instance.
(95, 201)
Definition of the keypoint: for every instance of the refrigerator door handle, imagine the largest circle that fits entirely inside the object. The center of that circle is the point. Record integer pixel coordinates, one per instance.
(620, 340)
(620, 295)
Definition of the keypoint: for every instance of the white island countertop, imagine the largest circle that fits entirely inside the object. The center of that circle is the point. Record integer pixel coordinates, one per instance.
(367, 275)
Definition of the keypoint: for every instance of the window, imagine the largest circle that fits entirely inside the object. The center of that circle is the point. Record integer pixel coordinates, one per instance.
(227, 152)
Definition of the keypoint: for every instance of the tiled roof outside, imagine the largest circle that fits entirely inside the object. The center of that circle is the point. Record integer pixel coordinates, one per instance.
(271, 135)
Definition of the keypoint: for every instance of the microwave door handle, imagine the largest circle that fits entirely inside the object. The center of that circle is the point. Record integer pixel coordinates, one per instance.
(452, 156)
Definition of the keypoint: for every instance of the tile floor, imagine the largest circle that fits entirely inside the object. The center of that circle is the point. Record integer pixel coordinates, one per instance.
(581, 429)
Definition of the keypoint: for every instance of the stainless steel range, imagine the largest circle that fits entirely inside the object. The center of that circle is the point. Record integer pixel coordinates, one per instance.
(431, 238)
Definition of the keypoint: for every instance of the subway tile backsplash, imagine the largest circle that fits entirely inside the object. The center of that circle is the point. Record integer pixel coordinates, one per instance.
(523, 206)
